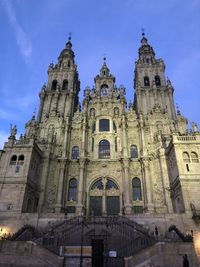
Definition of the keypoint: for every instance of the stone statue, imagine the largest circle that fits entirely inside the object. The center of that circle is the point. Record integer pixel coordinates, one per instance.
(13, 131)
(169, 83)
(57, 87)
(194, 127)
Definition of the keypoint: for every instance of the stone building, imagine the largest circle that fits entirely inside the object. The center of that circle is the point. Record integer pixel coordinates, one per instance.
(105, 157)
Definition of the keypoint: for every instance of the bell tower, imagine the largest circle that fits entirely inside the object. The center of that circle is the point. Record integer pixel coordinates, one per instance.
(58, 103)
(152, 89)
(60, 95)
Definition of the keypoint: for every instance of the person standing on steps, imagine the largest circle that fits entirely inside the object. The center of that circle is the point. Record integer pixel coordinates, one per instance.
(185, 261)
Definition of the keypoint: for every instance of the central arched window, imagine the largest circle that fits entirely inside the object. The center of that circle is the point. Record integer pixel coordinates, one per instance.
(136, 186)
(97, 185)
(146, 81)
(133, 152)
(72, 191)
(75, 152)
(104, 149)
(104, 125)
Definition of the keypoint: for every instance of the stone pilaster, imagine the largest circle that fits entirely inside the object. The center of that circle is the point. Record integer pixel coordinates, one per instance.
(147, 185)
(42, 96)
(79, 206)
(126, 187)
(165, 180)
(59, 202)
(44, 176)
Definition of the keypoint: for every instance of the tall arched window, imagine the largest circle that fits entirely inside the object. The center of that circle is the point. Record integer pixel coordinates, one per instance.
(54, 85)
(104, 125)
(75, 152)
(21, 160)
(146, 81)
(133, 152)
(104, 149)
(13, 160)
(65, 85)
(72, 190)
(194, 157)
(136, 187)
(186, 157)
(157, 80)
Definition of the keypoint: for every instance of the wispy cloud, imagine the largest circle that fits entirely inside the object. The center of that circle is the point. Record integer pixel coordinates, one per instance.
(3, 138)
(7, 115)
(22, 39)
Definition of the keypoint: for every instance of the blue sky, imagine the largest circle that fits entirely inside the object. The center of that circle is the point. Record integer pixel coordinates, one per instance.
(34, 32)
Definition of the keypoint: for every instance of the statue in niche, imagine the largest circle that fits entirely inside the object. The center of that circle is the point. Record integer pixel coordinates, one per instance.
(57, 87)
(116, 111)
(51, 131)
(104, 90)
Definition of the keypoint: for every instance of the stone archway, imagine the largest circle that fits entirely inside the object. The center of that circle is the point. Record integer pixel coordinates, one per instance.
(104, 197)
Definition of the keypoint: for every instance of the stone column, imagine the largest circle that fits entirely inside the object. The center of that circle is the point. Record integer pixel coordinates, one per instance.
(79, 206)
(147, 185)
(42, 96)
(44, 175)
(143, 146)
(59, 202)
(165, 181)
(139, 100)
(126, 186)
(172, 103)
(64, 152)
(125, 145)
(104, 212)
(56, 100)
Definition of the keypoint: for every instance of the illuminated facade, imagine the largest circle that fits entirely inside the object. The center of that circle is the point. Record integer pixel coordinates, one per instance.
(106, 158)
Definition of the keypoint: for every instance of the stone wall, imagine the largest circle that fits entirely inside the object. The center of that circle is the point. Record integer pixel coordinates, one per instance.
(22, 254)
(164, 254)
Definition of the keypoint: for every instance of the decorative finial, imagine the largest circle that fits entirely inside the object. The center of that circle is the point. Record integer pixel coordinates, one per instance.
(143, 33)
(70, 36)
(178, 109)
(34, 112)
(104, 58)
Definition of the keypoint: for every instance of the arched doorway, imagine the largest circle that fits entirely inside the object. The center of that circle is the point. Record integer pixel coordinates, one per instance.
(104, 198)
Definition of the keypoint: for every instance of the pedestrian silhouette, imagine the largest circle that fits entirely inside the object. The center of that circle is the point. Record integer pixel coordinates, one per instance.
(185, 261)
(156, 231)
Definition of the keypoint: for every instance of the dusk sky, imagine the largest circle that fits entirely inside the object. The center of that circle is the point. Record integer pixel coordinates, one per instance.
(33, 33)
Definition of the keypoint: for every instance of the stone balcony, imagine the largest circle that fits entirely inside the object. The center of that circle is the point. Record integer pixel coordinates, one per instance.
(189, 138)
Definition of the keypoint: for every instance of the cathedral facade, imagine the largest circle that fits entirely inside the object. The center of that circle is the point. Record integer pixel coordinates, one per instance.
(106, 157)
